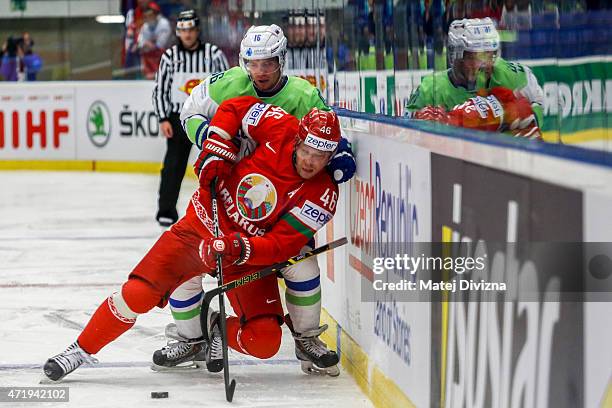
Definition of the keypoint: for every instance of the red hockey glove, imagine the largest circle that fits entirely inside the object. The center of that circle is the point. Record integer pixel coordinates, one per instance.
(519, 118)
(434, 113)
(234, 248)
(216, 160)
(499, 111)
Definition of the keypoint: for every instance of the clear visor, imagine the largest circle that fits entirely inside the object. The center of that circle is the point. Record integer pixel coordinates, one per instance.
(474, 69)
(262, 66)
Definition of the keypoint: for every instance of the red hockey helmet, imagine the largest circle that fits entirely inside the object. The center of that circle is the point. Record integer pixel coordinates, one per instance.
(320, 130)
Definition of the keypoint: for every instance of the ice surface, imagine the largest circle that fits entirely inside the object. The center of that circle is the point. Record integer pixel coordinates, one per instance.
(68, 240)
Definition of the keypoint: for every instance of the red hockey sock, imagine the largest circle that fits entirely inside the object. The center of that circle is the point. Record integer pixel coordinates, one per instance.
(259, 337)
(108, 322)
(103, 327)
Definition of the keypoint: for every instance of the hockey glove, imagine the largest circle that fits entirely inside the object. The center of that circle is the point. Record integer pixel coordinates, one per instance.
(342, 166)
(234, 248)
(433, 113)
(215, 161)
(519, 117)
(500, 111)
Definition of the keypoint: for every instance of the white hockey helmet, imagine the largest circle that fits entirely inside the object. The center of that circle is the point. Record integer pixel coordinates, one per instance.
(475, 35)
(262, 42)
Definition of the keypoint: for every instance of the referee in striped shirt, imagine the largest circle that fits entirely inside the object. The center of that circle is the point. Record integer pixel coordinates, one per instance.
(182, 67)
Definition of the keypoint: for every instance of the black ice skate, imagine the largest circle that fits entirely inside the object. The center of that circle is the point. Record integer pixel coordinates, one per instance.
(73, 357)
(213, 347)
(316, 358)
(179, 353)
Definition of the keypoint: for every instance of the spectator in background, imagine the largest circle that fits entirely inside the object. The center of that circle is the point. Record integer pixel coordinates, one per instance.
(516, 15)
(11, 57)
(31, 60)
(134, 20)
(154, 38)
(18, 62)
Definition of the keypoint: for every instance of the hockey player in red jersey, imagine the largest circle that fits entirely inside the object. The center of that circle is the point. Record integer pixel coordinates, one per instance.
(274, 200)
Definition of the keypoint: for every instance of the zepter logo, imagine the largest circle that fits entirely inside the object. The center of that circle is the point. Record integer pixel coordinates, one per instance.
(256, 197)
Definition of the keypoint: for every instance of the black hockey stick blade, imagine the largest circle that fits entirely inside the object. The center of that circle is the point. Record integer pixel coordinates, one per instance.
(208, 296)
(229, 390)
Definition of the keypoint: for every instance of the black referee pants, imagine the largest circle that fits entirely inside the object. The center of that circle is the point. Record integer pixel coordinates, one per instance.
(175, 164)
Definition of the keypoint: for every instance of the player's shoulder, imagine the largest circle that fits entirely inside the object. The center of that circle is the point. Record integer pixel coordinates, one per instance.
(299, 83)
(308, 94)
(320, 184)
(436, 78)
(509, 71)
(228, 84)
(301, 87)
(320, 196)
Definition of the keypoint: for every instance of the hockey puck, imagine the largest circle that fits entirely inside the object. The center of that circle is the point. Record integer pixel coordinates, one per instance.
(159, 394)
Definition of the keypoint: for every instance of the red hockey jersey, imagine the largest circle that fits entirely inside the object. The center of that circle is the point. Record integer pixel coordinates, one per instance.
(265, 197)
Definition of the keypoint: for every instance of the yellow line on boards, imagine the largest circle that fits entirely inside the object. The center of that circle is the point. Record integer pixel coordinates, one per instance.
(576, 137)
(381, 390)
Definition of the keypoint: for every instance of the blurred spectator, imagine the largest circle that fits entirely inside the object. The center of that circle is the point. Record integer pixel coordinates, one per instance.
(485, 8)
(454, 10)
(18, 62)
(31, 60)
(154, 38)
(516, 15)
(134, 20)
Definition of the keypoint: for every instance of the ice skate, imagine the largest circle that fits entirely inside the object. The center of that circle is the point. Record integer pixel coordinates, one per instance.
(61, 365)
(314, 355)
(180, 353)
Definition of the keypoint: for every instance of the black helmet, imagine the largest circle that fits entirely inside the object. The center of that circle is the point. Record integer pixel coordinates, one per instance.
(187, 19)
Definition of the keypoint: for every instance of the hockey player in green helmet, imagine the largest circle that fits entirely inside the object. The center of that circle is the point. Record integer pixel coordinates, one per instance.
(475, 69)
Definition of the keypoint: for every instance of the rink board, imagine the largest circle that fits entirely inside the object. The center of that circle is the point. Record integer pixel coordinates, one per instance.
(401, 353)
(557, 194)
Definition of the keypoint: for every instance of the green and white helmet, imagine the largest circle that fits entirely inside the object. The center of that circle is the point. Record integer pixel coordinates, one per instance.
(475, 35)
(262, 42)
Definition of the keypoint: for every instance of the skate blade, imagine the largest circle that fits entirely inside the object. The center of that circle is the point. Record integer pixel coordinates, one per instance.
(190, 366)
(309, 368)
(46, 380)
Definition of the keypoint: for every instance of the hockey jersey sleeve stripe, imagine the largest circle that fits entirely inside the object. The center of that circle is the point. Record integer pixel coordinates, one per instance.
(200, 134)
(304, 286)
(192, 124)
(186, 303)
(297, 225)
(303, 300)
(186, 315)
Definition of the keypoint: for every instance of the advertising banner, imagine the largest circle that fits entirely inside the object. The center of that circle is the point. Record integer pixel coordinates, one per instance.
(117, 122)
(388, 201)
(577, 96)
(102, 120)
(37, 122)
(498, 350)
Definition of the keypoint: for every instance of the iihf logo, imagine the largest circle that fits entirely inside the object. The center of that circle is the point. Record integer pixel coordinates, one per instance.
(249, 52)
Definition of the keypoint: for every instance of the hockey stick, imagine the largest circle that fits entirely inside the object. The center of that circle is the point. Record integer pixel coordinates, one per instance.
(229, 386)
(208, 296)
